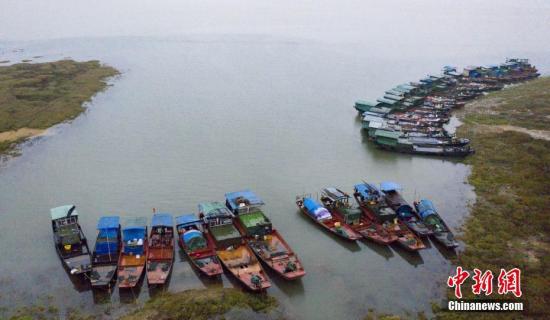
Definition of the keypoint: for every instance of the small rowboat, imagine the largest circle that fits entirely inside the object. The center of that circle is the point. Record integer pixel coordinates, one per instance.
(160, 254)
(69, 240)
(321, 216)
(404, 211)
(338, 203)
(231, 249)
(106, 252)
(200, 249)
(266, 242)
(374, 208)
(441, 232)
(133, 253)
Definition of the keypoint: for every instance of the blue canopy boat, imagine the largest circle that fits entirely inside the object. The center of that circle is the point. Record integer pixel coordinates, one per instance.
(160, 253)
(106, 252)
(374, 207)
(321, 216)
(404, 211)
(133, 253)
(69, 240)
(199, 248)
(441, 232)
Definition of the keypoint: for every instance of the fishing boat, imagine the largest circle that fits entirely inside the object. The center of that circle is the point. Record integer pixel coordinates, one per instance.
(339, 204)
(257, 230)
(321, 216)
(374, 207)
(160, 253)
(200, 249)
(106, 252)
(404, 211)
(231, 249)
(441, 232)
(133, 253)
(69, 240)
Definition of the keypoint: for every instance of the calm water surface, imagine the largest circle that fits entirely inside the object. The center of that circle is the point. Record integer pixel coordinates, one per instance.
(265, 105)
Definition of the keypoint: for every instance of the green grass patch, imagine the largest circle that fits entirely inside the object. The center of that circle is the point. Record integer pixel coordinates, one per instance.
(40, 95)
(201, 304)
(509, 225)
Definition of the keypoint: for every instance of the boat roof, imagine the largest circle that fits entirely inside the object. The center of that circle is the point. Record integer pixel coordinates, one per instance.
(389, 186)
(188, 219)
(393, 97)
(365, 189)
(213, 209)
(366, 103)
(253, 219)
(135, 223)
(63, 212)
(162, 219)
(251, 197)
(386, 101)
(108, 222)
(387, 134)
(334, 193)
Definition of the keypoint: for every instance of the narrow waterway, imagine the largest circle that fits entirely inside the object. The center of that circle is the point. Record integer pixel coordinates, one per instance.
(196, 115)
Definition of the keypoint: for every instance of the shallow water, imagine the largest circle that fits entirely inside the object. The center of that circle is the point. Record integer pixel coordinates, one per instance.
(266, 106)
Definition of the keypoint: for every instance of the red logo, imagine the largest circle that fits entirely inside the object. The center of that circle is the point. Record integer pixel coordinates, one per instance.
(508, 282)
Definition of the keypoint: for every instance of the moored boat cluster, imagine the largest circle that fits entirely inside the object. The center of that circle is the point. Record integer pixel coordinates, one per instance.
(410, 117)
(236, 235)
(379, 214)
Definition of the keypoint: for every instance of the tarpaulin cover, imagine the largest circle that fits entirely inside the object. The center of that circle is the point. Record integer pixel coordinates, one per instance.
(366, 190)
(108, 234)
(194, 240)
(162, 219)
(187, 219)
(108, 223)
(250, 196)
(316, 210)
(106, 247)
(191, 234)
(426, 208)
(389, 186)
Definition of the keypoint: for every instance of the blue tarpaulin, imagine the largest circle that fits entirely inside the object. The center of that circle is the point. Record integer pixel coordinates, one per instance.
(311, 205)
(111, 234)
(191, 234)
(366, 190)
(106, 247)
(162, 219)
(250, 196)
(108, 223)
(389, 186)
(129, 234)
(426, 208)
(187, 219)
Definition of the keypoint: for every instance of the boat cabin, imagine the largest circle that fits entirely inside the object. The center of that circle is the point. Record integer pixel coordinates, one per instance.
(243, 201)
(108, 240)
(68, 236)
(219, 220)
(134, 235)
(370, 195)
(335, 198)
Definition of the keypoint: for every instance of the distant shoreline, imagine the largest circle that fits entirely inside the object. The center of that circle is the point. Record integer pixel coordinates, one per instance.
(37, 96)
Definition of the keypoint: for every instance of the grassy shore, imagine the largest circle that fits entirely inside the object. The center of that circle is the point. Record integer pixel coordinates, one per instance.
(197, 304)
(34, 97)
(509, 225)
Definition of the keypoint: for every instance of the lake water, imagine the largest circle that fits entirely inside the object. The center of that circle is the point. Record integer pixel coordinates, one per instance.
(226, 96)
